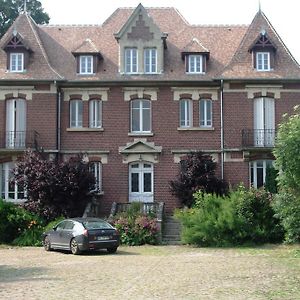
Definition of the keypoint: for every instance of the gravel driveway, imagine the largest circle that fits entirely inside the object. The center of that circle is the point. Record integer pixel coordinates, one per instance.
(149, 272)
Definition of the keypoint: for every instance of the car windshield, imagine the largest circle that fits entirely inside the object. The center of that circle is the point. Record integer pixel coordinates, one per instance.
(96, 225)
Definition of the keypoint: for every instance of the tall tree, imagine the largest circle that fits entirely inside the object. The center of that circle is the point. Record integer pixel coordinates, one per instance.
(197, 173)
(10, 9)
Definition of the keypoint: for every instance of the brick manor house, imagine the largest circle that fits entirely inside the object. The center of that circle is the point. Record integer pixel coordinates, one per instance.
(139, 92)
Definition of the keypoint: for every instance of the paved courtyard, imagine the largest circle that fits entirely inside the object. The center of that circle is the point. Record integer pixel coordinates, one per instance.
(151, 272)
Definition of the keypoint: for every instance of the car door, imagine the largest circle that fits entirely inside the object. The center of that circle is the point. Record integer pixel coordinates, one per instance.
(66, 234)
(56, 234)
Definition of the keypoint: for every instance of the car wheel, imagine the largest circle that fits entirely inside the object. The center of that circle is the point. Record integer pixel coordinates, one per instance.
(74, 247)
(47, 244)
(112, 250)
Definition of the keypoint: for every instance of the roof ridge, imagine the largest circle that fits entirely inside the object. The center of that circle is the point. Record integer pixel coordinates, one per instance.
(69, 25)
(220, 25)
(31, 22)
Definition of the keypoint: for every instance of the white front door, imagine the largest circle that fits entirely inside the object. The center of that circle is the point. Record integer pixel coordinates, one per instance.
(264, 122)
(141, 182)
(15, 123)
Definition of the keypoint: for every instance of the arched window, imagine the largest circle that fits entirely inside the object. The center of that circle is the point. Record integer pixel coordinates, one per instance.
(141, 116)
(95, 114)
(76, 111)
(205, 117)
(186, 113)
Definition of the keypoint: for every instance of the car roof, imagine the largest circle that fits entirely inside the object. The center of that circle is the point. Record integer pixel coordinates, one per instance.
(87, 219)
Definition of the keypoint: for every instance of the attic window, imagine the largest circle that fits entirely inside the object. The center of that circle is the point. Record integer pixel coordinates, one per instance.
(263, 61)
(86, 64)
(16, 62)
(195, 64)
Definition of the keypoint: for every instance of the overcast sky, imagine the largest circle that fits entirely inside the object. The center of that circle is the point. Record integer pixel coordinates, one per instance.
(284, 15)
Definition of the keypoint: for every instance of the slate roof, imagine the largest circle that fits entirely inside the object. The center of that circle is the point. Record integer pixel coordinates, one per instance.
(228, 47)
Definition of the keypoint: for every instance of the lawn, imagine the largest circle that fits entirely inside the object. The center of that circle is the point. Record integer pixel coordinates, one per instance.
(152, 272)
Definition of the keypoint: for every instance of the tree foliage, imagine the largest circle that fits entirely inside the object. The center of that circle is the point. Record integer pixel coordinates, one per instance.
(287, 153)
(197, 173)
(10, 9)
(54, 188)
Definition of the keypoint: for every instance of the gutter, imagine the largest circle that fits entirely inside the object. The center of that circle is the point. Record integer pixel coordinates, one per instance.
(58, 118)
(222, 130)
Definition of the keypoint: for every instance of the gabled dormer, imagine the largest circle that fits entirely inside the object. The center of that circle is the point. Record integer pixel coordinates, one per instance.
(142, 44)
(18, 52)
(87, 58)
(195, 56)
(263, 51)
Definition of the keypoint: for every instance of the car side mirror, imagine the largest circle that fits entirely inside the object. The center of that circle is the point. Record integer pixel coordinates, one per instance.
(54, 228)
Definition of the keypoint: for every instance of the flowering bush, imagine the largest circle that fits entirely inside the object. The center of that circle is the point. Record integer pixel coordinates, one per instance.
(16, 222)
(136, 230)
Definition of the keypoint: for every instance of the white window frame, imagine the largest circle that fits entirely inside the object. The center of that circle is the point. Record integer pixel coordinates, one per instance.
(76, 104)
(263, 57)
(18, 65)
(86, 64)
(186, 113)
(150, 60)
(204, 117)
(132, 55)
(95, 113)
(5, 176)
(195, 64)
(253, 166)
(141, 110)
(141, 170)
(96, 170)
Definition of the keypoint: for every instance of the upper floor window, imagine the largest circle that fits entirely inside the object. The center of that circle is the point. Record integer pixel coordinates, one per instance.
(141, 116)
(186, 113)
(263, 61)
(131, 60)
(86, 64)
(205, 113)
(150, 60)
(16, 62)
(195, 64)
(76, 110)
(95, 112)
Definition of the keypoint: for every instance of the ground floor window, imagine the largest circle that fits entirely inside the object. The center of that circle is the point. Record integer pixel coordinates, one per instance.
(8, 190)
(258, 170)
(141, 182)
(96, 170)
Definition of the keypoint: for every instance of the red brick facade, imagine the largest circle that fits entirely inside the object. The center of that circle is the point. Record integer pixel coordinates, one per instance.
(230, 82)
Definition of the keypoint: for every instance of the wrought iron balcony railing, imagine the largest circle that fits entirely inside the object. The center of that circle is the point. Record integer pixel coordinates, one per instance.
(17, 140)
(258, 138)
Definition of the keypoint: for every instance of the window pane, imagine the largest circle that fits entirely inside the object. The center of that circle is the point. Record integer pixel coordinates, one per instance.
(146, 104)
(136, 120)
(134, 182)
(146, 120)
(147, 183)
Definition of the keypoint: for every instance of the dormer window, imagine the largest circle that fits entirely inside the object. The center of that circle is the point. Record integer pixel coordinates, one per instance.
(86, 64)
(263, 52)
(16, 62)
(195, 64)
(263, 61)
(150, 60)
(131, 60)
(18, 53)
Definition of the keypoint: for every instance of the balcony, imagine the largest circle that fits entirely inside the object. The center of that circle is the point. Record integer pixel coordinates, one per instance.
(258, 138)
(18, 140)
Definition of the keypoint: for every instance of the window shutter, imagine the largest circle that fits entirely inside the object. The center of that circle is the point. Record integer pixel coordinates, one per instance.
(187, 63)
(203, 63)
(78, 64)
(95, 63)
(254, 59)
(269, 113)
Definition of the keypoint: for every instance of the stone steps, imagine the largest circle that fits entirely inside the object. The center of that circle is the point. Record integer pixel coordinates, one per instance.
(171, 231)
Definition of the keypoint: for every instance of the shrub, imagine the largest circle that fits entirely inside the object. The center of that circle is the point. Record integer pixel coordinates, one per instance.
(197, 173)
(242, 217)
(286, 206)
(136, 228)
(54, 188)
(15, 221)
(271, 183)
